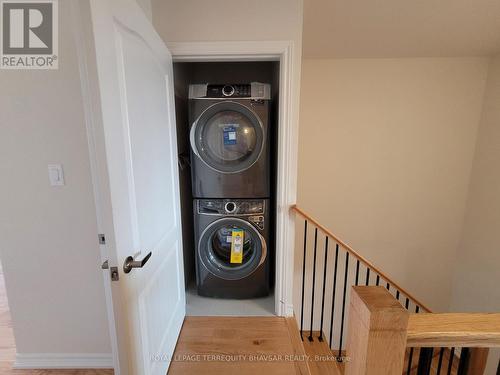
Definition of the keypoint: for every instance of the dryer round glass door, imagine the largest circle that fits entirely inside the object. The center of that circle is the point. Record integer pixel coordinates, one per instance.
(215, 246)
(228, 137)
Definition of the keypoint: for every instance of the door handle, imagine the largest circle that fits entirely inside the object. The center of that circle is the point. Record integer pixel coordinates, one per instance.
(105, 265)
(131, 263)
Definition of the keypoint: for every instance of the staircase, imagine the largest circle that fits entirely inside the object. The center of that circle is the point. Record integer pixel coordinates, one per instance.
(332, 272)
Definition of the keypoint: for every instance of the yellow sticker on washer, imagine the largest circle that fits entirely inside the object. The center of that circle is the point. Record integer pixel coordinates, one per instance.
(237, 246)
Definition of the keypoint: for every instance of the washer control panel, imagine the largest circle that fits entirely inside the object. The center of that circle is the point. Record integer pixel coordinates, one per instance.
(233, 207)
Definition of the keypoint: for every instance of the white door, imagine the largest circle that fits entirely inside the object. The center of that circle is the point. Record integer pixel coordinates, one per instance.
(134, 69)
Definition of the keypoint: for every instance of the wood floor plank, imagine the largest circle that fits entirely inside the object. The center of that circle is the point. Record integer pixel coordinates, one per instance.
(248, 345)
(301, 367)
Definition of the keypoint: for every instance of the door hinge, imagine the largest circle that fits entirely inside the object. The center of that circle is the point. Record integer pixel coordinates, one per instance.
(102, 239)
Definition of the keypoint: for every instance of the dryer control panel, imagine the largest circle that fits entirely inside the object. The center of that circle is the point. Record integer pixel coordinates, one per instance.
(231, 207)
(252, 91)
(230, 90)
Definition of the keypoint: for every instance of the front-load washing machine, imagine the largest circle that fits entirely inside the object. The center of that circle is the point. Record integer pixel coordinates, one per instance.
(219, 223)
(229, 136)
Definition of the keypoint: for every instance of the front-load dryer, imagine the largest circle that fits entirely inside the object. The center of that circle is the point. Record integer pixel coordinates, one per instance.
(229, 136)
(216, 223)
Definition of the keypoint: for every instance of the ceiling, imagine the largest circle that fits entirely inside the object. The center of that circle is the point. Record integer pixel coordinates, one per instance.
(400, 28)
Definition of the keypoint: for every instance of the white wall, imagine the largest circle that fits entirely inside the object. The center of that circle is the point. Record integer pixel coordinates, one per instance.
(146, 7)
(220, 20)
(477, 279)
(385, 154)
(48, 243)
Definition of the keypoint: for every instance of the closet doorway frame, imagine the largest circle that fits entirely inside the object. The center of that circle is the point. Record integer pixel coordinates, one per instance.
(286, 189)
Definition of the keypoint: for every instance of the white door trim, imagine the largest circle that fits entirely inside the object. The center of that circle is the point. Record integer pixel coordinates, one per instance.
(281, 51)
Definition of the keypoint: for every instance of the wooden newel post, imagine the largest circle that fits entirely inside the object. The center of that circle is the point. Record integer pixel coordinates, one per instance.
(376, 340)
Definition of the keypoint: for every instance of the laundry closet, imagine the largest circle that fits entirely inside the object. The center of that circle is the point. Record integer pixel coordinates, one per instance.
(227, 131)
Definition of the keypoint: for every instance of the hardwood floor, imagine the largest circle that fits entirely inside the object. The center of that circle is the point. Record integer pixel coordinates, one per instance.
(239, 345)
(8, 347)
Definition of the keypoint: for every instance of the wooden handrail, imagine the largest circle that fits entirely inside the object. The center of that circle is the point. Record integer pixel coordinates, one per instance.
(454, 329)
(362, 259)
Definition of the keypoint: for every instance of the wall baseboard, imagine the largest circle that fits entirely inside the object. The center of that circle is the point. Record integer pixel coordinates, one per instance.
(63, 361)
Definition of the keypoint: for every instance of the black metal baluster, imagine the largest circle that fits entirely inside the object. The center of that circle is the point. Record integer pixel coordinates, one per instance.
(463, 365)
(424, 361)
(320, 337)
(397, 295)
(450, 362)
(378, 280)
(357, 272)
(440, 361)
(367, 281)
(333, 293)
(388, 286)
(343, 302)
(410, 358)
(407, 303)
(313, 284)
(303, 281)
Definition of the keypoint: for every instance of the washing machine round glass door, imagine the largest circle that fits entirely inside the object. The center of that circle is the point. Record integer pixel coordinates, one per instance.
(214, 249)
(228, 137)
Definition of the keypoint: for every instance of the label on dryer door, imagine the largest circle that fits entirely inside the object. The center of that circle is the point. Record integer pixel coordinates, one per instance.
(237, 246)
(229, 134)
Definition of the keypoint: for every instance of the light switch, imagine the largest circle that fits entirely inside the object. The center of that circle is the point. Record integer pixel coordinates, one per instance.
(56, 175)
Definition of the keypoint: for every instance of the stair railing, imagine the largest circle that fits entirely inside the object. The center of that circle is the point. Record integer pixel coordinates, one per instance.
(445, 357)
(356, 268)
(373, 275)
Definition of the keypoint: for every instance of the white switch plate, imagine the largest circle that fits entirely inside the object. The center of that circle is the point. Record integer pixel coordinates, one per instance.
(56, 175)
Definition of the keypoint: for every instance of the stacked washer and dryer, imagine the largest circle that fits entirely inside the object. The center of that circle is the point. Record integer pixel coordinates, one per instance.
(230, 171)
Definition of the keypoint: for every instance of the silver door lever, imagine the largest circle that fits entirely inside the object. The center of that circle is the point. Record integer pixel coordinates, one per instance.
(131, 263)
